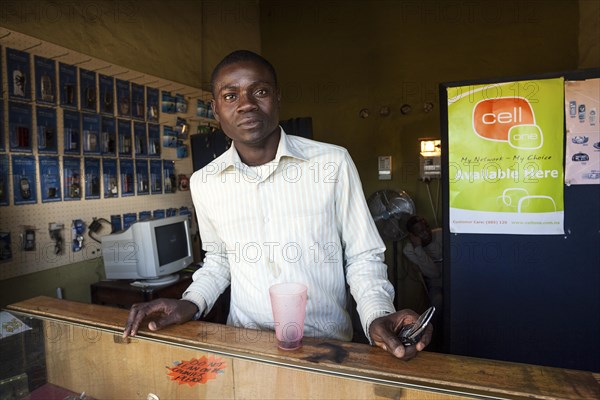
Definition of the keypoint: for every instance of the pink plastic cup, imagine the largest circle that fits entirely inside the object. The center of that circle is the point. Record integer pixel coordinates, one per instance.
(288, 301)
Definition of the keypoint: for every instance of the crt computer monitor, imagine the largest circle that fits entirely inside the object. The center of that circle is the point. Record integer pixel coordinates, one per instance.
(150, 250)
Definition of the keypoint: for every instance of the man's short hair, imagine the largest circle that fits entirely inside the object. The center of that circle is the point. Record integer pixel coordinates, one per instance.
(240, 56)
(412, 221)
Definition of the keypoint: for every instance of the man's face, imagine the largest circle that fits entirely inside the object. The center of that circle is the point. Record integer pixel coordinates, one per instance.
(246, 103)
(423, 231)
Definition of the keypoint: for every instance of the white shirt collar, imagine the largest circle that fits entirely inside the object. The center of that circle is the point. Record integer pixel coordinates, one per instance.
(286, 148)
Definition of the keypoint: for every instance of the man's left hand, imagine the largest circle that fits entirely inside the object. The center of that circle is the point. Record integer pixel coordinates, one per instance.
(384, 333)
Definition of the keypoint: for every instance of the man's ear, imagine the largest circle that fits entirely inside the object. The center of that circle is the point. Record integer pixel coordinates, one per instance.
(278, 97)
(215, 113)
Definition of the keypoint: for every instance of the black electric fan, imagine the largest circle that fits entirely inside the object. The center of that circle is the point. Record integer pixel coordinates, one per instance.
(391, 210)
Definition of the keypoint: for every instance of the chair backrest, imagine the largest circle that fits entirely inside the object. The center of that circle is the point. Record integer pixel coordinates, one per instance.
(208, 146)
(298, 126)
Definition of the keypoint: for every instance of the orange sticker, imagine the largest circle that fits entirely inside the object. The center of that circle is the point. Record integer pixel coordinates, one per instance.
(493, 118)
(197, 371)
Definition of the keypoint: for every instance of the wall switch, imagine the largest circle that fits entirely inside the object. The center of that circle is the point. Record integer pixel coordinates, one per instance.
(385, 168)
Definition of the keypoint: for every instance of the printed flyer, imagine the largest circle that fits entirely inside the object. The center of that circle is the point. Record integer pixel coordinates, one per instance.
(72, 138)
(156, 177)
(107, 94)
(137, 101)
(115, 222)
(141, 174)
(141, 139)
(46, 127)
(111, 178)
(18, 75)
(124, 129)
(50, 179)
(123, 98)
(169, 179)
(152, 104)
(72, 178)
(24, 180)
(45, 80)
(126, 170)
(87, 90)
(505, 151)
(92, 178)
(582, 102)
(68, 85)
(90, 128)
(108, 136)
(153, 140)
(4, 177)
(19, 127)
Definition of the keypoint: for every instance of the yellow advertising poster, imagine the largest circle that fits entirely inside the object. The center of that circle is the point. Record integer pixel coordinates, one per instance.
(505, 150)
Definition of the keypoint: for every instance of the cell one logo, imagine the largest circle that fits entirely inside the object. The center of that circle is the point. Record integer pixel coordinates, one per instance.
(508, 119)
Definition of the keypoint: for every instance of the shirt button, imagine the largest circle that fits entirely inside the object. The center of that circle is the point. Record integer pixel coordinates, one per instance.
(266, 219)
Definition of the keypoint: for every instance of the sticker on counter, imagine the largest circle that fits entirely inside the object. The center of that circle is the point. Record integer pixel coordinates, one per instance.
(196, 371)
(10, 325)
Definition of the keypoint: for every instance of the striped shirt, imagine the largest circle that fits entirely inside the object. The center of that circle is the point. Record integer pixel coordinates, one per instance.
(299, 218)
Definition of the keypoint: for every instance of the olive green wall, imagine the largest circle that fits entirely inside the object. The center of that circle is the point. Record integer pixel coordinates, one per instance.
(227, 26)
(589, 32)
(335, 58)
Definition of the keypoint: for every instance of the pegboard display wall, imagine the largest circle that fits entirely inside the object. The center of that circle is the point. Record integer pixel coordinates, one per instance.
(22, 213)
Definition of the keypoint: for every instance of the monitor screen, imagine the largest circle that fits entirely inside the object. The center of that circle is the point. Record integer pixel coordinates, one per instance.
(167, 238)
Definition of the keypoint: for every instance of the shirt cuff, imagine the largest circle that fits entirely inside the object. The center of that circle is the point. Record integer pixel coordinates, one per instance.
(198, 300)
(372, 317)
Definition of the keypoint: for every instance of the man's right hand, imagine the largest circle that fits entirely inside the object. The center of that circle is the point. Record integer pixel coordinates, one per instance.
(415, 240)
(162, 312)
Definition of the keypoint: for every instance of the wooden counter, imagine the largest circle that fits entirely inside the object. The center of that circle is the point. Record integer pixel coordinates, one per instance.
(247, 364)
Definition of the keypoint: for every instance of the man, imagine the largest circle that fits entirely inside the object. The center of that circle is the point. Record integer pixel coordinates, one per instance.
(424, 248)
(277, 208)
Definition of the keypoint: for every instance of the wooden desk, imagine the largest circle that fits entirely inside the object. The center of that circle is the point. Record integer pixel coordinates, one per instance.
(121, 294)
(85, 352)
